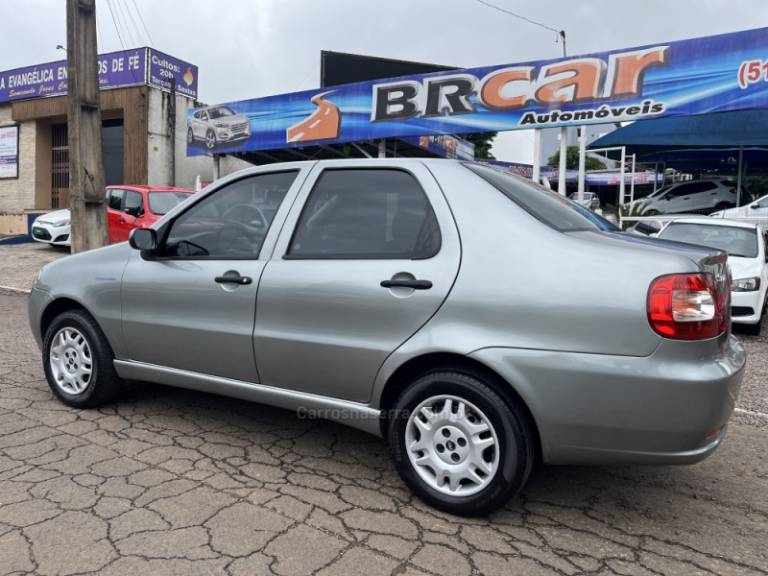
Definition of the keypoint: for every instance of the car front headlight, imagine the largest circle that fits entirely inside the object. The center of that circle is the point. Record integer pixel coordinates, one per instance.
(745, 284)
(63, 223)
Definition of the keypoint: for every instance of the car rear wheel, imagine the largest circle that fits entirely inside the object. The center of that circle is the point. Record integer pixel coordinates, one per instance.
(458, 445)
(210, 139)
(190, 136)
(78, 361)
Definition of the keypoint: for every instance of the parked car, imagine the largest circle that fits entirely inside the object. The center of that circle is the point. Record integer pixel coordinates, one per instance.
(52, 228)
(217, 125)
(128, 207)
(692, 197)
(745, 244)
(591, 200)
(476, 320)
(756, 212)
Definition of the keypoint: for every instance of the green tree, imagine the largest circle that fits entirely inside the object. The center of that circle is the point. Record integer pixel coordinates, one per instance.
(572, 160)
(483, 142)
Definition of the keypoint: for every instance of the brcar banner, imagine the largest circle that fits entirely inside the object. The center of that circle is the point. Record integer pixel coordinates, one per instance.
(697, 76)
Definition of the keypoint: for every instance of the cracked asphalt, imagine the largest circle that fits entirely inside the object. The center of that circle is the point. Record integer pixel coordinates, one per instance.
(170, 481)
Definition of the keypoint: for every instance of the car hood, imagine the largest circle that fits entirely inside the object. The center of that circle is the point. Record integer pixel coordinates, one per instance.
(230, 120)
(744, 267)
(56, 217)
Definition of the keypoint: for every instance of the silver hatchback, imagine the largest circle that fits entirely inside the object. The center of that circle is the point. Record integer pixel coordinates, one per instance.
(476, 321)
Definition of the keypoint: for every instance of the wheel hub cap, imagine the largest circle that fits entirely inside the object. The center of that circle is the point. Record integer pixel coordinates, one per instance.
(70, 361)
(452, 445)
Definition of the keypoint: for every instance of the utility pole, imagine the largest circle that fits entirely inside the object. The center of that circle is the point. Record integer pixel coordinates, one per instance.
(88, 222)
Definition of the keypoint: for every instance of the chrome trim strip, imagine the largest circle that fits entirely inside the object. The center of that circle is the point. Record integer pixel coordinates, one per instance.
(345, 412)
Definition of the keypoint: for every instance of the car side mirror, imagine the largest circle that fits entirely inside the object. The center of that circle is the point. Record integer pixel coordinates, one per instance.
(135, 212)
(144, 239)
(754, 206)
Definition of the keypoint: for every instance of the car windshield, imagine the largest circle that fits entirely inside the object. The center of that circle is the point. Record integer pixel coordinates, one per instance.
(552, 209)
(220, 112)
(162, 202)
(738, 242)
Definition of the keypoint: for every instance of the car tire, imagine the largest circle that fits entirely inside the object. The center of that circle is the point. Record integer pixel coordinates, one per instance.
(210, 139)
(454, 448)
(72, 345)
(190, 137)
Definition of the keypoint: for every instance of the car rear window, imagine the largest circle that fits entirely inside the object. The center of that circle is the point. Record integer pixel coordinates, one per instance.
(738, 242)
(162, 202)
(552, 209)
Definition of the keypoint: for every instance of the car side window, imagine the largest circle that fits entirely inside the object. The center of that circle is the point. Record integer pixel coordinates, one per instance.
(366, 214)
(115, 199)
(230, 223)
(133, 203)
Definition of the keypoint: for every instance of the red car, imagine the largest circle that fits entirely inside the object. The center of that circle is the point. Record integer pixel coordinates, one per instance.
(130, 207)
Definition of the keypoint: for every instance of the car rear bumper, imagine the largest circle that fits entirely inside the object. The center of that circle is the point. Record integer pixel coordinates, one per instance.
(671, 407)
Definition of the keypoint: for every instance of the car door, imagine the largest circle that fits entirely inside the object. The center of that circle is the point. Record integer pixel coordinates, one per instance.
(366, 258)
(192, 306)
(132, 208)
(114, 212)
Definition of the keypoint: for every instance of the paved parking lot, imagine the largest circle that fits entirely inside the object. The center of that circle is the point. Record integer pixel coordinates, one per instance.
(177, 482)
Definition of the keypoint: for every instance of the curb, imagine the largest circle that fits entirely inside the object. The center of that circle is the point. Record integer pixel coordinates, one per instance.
(13, 290)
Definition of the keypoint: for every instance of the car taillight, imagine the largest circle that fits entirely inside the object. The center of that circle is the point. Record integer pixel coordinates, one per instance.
(688, 306)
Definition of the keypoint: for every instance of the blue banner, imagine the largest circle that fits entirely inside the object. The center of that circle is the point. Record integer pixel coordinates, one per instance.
(116, 70)
(697, 76)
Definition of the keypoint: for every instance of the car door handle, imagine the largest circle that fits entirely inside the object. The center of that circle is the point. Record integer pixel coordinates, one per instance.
(405, 283)
(233, 277)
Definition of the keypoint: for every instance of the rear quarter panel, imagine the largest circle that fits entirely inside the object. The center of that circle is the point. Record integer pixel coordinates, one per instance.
(522, 284)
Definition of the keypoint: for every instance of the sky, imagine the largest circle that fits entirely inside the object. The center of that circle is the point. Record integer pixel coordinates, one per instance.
(252, 48)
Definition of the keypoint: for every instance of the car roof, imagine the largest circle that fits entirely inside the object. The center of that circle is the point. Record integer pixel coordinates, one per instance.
(709, 221)
(148, 188)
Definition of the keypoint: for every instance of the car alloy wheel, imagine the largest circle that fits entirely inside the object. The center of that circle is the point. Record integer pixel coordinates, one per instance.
(210, 139)
(71, 361)
(452, 445)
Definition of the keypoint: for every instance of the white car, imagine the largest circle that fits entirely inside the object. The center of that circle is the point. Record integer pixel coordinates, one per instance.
(745, 243)
(217, 125)
(756, 212)
(52, 228)
(692, 197)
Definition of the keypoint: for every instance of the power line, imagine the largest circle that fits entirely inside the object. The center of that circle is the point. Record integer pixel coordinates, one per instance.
(131, 21)
(124, 24)
(560, 33)
(114, 21)
(141, 19)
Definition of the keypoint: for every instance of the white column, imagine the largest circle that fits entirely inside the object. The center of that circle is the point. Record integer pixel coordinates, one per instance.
(536, 175)
(563, 160)
(382, 148)
(582, 161)
(632, 184)
(621, 175)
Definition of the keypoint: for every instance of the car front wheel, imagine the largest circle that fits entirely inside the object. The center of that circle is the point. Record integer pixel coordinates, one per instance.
(78, 361)
(458, 445)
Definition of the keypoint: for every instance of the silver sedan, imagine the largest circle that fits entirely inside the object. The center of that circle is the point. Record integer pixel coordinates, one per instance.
(476, 321)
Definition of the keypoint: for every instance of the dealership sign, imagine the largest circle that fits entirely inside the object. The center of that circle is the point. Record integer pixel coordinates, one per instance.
(697, 76)
(116, 70)
(9, 151)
